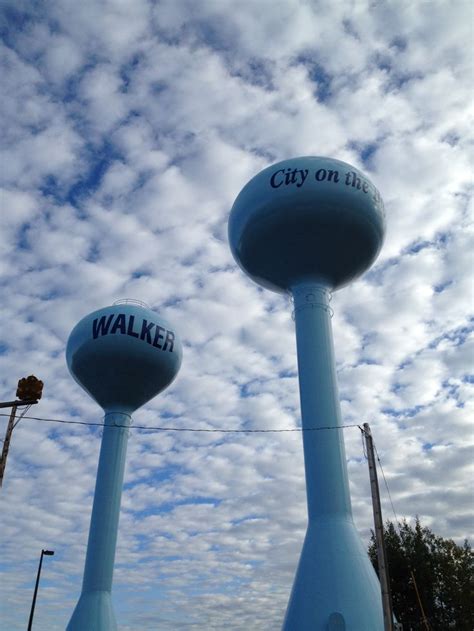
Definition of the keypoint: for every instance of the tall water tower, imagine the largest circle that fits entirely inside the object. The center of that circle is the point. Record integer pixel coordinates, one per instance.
(123, 356)
(307, 226)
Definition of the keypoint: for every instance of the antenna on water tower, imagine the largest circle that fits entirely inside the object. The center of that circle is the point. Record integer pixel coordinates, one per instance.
(308, 226)
(123, 356)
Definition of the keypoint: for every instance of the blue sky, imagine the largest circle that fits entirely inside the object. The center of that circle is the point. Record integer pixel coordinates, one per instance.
(128, 130)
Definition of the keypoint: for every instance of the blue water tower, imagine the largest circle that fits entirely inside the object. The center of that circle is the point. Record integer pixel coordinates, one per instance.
(123, 356)
(308, 226)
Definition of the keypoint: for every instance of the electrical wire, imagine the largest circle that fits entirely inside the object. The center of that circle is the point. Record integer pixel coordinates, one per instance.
(22, 415)
(232, 431)
(386, 484)
(423, 618)
(186, 429)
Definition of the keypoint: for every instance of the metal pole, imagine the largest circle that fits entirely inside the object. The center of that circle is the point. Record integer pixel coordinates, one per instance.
(6, 444)
(379, 538)
(30, 622)
(18, 403)
(95, 605)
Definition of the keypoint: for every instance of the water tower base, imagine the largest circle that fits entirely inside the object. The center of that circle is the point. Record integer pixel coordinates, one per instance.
(93, 612)
(335, 587)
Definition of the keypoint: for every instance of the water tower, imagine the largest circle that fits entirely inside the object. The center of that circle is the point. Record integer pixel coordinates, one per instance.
(123, 356)
(308, 226)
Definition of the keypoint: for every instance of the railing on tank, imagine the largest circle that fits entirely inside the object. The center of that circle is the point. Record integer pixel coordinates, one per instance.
(131, 301)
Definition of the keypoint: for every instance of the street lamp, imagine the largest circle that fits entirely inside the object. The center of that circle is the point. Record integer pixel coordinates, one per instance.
(28, 392)
(47, 553)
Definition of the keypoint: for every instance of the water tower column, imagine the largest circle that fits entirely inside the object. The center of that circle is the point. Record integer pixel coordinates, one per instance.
(94, 609)
(335, 586)
(123, 356)
(324, 451)
(307, 226)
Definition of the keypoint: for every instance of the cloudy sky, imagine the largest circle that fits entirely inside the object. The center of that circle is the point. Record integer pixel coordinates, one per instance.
(129, 127)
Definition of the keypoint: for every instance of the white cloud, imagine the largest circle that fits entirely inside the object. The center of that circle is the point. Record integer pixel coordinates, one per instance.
(129, 128)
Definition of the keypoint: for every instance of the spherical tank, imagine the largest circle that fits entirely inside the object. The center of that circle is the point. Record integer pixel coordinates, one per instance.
(123, 355)
(308, 218)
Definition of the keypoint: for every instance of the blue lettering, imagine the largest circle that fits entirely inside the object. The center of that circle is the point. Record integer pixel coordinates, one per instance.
(273, 183)
(158, 336)
(130, 330)
(290, 177)
(145, 332)
(101, 326)
(170, 339)
(303, 174)
(119, 324)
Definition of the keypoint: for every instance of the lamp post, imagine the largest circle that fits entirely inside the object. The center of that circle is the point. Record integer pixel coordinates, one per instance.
(47, 553)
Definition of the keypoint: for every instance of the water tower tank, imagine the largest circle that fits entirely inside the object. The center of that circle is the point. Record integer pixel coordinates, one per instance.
(308, 217)
(308, 226)
(123, 356)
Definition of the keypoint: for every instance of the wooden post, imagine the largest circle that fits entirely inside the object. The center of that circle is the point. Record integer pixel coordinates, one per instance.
(379, 538)
(6, 444)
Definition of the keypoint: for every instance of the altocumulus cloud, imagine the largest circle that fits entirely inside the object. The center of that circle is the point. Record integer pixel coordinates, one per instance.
(128, 129)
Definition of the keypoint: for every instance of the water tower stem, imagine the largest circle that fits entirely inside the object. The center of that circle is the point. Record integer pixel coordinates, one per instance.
(335, 586)
(94, 608)
(106, 509)
(324, 451)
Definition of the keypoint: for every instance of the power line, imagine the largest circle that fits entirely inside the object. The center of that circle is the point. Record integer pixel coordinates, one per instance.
(423, 618)
(187, 429)
(22, 415)
(386, 485)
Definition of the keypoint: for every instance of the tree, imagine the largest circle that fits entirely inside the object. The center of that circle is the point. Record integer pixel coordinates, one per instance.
(444, 573)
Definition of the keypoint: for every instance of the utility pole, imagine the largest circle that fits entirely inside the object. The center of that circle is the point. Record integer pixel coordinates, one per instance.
(6, 442)
(379, 539)
(29, 392)
(424, 618)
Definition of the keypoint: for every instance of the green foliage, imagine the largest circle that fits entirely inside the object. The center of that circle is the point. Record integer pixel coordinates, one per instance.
(444, 573)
